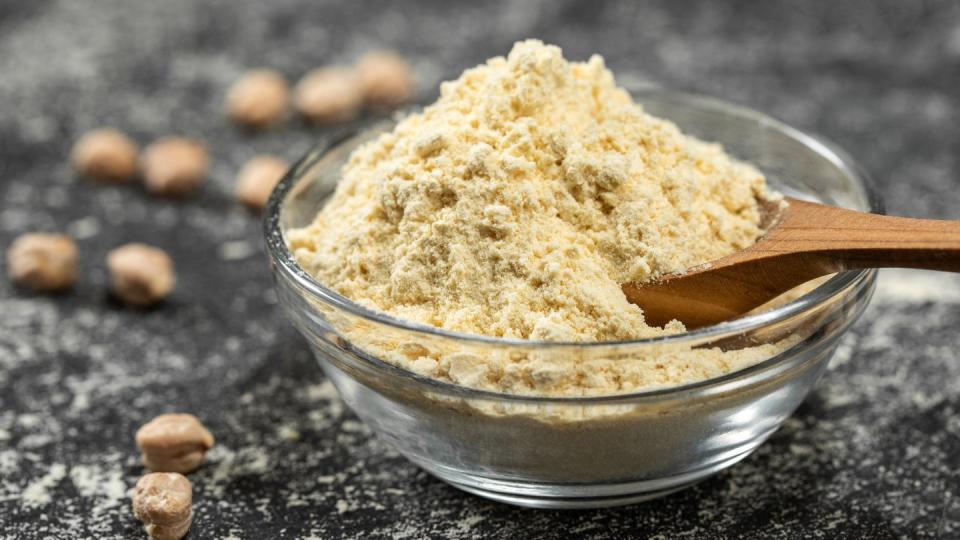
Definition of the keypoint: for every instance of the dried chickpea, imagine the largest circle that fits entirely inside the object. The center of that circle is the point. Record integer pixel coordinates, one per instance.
(328, 95)
(43, 262)
(174, 166)
(257, 179)
(140, 275)
(258, 99)
(385, 79)
(173, 443)
(105, 155)
(163, 502)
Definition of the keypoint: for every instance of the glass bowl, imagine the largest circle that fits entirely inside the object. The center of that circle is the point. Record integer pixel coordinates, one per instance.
(580, 452)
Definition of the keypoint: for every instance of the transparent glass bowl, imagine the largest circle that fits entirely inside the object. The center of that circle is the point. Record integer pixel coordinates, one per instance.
(587, 451)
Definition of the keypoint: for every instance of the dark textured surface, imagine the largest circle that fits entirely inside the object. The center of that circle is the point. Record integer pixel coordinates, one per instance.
(874, 452)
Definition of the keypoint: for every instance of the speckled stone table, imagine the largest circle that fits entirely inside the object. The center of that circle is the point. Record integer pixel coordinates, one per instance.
(874, 452)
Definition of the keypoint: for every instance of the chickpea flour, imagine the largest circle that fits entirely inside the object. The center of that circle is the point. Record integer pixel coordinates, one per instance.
(514, 207)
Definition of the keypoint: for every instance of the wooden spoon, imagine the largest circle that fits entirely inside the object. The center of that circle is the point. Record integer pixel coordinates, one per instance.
(807, 240)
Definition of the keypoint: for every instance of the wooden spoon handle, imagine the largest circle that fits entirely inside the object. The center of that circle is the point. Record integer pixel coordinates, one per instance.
(841, 239)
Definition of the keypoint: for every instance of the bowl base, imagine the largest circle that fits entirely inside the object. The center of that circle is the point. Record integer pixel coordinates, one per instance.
(569, 503)
(577, 496)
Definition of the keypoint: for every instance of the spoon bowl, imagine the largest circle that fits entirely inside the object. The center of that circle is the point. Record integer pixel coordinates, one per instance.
(804, 241)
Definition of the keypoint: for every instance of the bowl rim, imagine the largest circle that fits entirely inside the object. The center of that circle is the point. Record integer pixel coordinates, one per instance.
(282, 258)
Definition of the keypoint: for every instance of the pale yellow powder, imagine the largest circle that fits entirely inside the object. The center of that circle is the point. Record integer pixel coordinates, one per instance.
(517, 204)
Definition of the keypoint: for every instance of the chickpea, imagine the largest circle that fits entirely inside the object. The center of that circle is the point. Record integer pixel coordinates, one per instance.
(173, 443)
(105, 155)
(385, 79)
(43, 262)
(328, 95)
(163, 502)
(257, 179)
(258, 99)
(140, 275)
(174, 166)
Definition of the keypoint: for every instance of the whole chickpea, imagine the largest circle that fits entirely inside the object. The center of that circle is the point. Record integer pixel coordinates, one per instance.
(173, 443)
(140, 275)
(258, 99)
(164, 503)
(43, 262)
(105, 155)
(257, 179)
(328, 95)
(385, 79)
(174, 166)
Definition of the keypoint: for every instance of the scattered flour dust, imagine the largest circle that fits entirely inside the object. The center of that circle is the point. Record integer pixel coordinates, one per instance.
(8, 461)
(515, 206)
(343, 506)
(37, 493)
(106, 490)
(229, 464)
(898, 285)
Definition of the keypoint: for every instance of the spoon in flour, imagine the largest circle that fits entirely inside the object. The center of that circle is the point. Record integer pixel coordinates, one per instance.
(806, 240)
